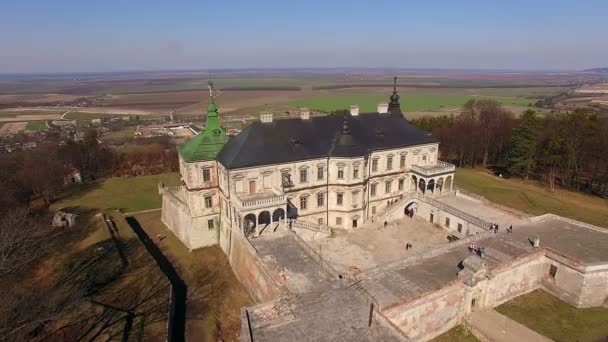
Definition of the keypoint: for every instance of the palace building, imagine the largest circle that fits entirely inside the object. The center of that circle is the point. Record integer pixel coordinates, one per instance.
(334, 171)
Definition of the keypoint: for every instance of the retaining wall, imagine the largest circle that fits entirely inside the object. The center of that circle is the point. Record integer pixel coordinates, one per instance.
(261, 283)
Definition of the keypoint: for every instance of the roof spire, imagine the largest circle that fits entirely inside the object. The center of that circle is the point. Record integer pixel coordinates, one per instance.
(211, 107)
(394, 107)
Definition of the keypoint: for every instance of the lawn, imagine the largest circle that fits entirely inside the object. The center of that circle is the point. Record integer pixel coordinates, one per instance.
(556, 319)
(457, 334)
(416, 102)
(36, 125)
(533, 198)
(119, 137)
(128, 194)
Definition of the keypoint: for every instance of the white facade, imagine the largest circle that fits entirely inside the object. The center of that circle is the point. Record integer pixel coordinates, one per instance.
(335, 192)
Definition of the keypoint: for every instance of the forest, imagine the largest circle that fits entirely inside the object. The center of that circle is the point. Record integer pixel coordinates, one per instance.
(567, 149)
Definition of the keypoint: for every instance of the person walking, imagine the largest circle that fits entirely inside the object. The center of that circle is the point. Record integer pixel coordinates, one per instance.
(385, 224)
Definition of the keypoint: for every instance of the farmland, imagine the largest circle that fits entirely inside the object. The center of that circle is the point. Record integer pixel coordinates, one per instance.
(245, 93)
(35, 125)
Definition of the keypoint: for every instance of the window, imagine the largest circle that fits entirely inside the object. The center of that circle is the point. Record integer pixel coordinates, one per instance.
(303, 202)
(320, 221)
(552, 271)
(372, 190)
(320, 173)
(208, 202)
(387, 187)
(389, 162)
(209, 224)
(375, 165)
(320, 200)
(338, 221)
(447, 222)
(401, 182)
(340, 173)
(355, 172)
(402, 161)
(355, 196)
(339, 199)
(424, 159)
(460, 227)
(431, 217)
(303, 176)
(373, 210)
(206, 175)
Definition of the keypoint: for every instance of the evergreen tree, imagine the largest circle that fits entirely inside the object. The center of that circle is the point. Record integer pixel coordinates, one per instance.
(523, 156)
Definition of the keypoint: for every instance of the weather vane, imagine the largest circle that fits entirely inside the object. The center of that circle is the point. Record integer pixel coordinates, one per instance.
(211, 87)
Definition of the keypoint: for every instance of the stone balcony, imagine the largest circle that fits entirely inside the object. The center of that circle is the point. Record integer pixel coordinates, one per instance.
(433, 169)
(264, 199)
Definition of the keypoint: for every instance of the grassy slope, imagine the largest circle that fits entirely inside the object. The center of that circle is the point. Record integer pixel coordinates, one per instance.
(410, 102)
(556, 319)
(126, 193)
(215, 296)
(457, 334)
(533, 198)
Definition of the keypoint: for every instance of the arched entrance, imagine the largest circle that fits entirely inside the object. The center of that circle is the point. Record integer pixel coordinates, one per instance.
(440, 184)
(249, 224)
(448, 183)
(278, 214)
(264, 218)
(431, 185)
(422, 185)
(410, 209)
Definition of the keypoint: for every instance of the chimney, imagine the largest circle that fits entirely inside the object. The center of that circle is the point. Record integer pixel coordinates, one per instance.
(382, 108)
(266, 117)
(304, 113)
(354, 110)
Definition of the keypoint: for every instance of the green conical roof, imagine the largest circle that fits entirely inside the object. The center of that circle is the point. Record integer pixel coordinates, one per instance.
(208, 143)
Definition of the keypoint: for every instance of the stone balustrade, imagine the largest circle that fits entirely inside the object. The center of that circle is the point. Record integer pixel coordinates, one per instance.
(430, 170)
(261, 201)
(311, 226)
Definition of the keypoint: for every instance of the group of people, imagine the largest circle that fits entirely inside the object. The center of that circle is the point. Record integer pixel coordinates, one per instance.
(494, 227)
(409, 212)
(408, 246)
(480, 251)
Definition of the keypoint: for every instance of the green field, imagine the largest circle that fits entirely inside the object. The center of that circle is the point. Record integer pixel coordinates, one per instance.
(125, 193)
(533, 197)
(556, 319)
(36, 125)
(417, 102)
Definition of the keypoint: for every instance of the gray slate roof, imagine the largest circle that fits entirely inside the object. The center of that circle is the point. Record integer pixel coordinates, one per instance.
(290, 140)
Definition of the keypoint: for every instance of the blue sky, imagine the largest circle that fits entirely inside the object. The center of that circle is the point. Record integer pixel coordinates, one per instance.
(112, 35)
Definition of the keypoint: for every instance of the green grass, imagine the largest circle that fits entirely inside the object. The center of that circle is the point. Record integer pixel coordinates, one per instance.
(35, 125)
(556, 319)
(533, 197)
(125, 193)
(416, 102)
(457, 334)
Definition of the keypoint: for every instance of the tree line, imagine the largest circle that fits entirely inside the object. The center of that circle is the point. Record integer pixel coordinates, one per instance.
(40, 174)
(567, 149)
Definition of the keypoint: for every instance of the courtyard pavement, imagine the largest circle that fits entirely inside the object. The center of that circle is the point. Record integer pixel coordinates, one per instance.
(373, 245)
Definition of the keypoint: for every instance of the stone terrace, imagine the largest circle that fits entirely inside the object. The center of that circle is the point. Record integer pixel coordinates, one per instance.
(322, 307)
